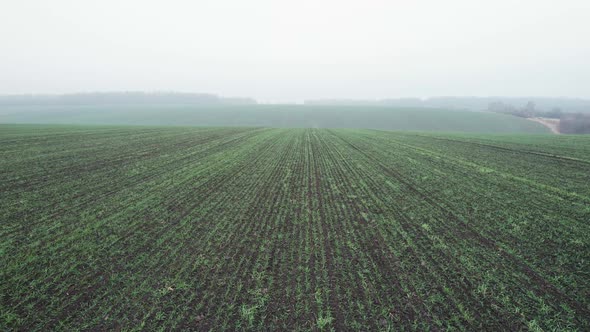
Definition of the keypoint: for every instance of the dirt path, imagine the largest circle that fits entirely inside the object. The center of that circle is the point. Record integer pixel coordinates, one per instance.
(552, 124)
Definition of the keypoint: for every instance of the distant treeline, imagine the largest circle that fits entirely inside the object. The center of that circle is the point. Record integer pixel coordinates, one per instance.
(527, 111)
(577, 123)
(126, 98)
(468, 103)
(569, 123)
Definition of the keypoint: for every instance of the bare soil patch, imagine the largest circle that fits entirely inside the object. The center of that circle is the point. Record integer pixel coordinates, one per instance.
(552, 124)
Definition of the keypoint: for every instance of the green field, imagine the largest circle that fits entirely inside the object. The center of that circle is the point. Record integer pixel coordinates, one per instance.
(282, 116)
(163, 228)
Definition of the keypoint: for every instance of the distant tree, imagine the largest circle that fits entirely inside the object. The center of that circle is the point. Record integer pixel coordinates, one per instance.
(528, 110)
(497, 106)
(555, 113)
(530, 107)
(575, 124)
(500, 107)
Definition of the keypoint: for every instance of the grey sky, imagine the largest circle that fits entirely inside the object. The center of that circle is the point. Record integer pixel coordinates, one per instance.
(276, 50)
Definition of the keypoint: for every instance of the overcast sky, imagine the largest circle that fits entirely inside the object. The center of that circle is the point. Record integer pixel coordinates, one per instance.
(277, 50)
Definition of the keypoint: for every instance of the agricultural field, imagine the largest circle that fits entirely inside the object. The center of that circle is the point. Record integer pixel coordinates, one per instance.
(163, 228)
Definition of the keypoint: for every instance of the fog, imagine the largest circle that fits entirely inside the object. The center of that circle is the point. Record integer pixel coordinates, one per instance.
(289, 51)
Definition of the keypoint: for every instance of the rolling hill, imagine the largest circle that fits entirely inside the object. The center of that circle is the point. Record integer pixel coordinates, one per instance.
(278, 116)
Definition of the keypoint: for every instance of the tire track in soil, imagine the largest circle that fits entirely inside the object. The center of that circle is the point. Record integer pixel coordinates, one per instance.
(498, 203)
(348, 220)
(543, 286)
(496, 147)
(561, 193)
(209, 190)
(131, 231)
(548, 208)
(334, 305)
(246, 233)
(385, 268)
(466, 286)
(387, 263)
(378, 252)
(162, 169)
(278, 301)
(255, 226)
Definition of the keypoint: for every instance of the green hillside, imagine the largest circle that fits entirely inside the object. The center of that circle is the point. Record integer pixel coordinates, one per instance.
(282, 116)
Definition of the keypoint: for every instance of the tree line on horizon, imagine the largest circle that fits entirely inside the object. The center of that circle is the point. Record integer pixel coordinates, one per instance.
(102, 98)
(569, 123)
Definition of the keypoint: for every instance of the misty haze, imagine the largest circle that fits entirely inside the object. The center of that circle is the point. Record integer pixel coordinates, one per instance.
(294, 166)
